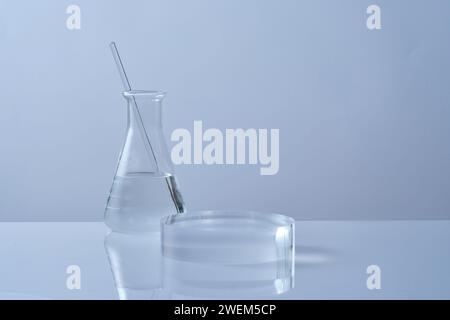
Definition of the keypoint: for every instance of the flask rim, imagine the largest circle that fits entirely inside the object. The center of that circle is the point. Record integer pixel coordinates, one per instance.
(155, 94)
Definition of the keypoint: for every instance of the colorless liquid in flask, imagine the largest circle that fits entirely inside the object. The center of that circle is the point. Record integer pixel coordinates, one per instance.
(144, 187)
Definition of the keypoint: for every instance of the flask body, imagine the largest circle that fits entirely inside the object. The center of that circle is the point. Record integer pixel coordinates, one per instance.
(144, 187)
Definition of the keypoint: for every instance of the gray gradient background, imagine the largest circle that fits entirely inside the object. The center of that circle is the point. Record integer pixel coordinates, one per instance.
(363, 115)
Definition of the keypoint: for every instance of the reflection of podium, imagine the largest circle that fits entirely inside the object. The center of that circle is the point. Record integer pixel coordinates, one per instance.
(136, 264)
(189, 279)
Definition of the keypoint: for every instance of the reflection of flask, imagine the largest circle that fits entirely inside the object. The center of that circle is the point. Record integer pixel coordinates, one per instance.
(144, 187)
(135, 261)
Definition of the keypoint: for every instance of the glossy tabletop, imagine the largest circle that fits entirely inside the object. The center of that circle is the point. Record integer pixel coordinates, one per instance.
(334, 260)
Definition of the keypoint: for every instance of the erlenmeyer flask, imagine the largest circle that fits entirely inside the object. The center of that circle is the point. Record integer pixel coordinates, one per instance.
(144, 187)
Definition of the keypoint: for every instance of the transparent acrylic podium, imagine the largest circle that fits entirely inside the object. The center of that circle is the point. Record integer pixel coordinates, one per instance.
(228, 254)
(144, 187)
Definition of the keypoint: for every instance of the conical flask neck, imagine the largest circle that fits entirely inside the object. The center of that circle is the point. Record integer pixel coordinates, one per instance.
(144, 113)
(144, 108)
(145, 150)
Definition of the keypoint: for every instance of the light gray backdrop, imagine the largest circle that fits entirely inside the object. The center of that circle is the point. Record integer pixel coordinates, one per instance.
(364, 116)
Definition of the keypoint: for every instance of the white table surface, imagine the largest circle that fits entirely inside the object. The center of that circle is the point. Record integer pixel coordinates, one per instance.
(331, 260)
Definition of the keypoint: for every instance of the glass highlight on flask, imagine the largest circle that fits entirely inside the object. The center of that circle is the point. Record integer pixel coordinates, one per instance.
(144, 188)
